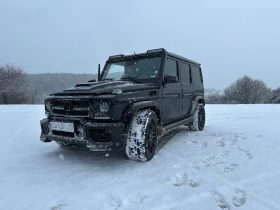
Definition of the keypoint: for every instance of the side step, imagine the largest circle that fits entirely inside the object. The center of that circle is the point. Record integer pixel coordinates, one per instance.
(170, 127)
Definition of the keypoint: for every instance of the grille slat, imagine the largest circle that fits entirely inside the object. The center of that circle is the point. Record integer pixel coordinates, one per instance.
(77, 107)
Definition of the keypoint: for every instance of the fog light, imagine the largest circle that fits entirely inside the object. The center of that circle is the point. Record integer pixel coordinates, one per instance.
(101, 118)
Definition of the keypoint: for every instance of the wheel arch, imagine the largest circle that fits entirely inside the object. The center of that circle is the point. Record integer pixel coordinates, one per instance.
(134, 108)
(197, 100)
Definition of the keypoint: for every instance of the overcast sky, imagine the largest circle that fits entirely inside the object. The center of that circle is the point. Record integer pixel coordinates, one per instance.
(229, 38)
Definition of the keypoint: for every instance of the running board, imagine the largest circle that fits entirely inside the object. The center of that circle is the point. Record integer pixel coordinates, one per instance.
(170, 127)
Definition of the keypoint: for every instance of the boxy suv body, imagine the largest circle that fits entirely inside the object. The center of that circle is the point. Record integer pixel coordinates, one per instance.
(135, 101)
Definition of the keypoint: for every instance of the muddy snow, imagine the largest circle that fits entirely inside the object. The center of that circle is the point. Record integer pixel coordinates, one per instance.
(233, 164)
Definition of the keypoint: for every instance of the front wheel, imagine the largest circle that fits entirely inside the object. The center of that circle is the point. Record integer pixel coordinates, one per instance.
(198, 118)
(142, 136)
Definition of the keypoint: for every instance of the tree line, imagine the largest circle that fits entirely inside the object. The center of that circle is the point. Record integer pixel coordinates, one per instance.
(245, 90)
(17, 87)
(13, 85)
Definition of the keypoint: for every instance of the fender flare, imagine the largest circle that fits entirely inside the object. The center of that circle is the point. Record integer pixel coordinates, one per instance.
(197, 100)
(133, 108)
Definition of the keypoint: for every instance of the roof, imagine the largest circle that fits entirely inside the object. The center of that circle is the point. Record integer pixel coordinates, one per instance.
(182, 58)
(151, 52)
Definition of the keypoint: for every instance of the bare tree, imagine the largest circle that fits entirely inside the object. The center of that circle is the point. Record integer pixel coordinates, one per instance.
(13, 86)
(248, 91)
(276, 91)
(215, 98)
(276, 96)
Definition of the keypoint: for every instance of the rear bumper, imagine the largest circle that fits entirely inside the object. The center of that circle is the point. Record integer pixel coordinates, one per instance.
(93, 135)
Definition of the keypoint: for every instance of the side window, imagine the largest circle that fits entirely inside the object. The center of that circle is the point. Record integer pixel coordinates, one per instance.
(196, 75)
(185, 73)
(201, 77)
(170, 68)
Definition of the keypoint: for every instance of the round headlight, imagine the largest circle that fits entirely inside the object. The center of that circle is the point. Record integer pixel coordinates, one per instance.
(104, 107)
(48, 105)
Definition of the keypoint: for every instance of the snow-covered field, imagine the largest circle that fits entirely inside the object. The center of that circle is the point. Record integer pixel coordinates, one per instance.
(233, 164)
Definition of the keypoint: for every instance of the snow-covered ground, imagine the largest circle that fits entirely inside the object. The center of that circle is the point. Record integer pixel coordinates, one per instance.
(233, 164)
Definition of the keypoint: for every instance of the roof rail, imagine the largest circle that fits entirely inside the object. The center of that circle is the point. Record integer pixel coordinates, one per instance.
(156, 50)
(116, 56)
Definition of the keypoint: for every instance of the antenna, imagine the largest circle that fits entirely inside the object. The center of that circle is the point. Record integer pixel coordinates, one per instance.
(98, 76)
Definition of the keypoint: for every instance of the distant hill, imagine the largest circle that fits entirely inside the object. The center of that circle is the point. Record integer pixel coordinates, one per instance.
(41, 85)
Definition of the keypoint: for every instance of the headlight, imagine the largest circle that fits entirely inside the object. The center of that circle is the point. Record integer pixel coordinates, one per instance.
(48, 105)
(104, 107)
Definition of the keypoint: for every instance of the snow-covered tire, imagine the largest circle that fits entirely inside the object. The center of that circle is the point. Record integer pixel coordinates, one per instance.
(142, 136)
(198, 118)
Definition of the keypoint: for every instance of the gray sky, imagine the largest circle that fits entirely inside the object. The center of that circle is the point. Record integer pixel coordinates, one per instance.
(229, 38)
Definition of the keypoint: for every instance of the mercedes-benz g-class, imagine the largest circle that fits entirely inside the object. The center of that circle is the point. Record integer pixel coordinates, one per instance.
(135, 100)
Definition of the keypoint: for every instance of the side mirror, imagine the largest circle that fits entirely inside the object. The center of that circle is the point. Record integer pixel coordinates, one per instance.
(170, 79)
(92, 80)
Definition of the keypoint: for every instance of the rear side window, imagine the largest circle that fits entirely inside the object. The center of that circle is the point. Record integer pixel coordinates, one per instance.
(196, 75)
(186, 73)
(201, 77)
(170, 67)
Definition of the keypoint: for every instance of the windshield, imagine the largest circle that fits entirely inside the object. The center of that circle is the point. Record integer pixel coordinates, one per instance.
(142, 68)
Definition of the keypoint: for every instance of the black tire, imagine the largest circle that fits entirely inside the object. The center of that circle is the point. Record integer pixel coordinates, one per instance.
(142, 136)
(198, 119)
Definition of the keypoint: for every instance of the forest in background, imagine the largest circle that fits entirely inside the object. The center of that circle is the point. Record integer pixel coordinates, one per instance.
(17, 87)
(41, 85)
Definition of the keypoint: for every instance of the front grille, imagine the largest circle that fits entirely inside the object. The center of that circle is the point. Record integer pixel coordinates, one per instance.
(98, 135)
(65, 107)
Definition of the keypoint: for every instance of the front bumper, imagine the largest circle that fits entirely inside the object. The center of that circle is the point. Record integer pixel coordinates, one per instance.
(96, 136)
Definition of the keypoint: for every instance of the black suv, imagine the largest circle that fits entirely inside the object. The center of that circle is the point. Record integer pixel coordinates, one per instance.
(134, 102)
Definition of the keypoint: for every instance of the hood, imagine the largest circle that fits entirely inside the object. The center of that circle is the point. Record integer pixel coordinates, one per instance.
(106, 87)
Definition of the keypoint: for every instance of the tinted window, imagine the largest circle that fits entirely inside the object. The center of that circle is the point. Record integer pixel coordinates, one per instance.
(142, 68)
(170, 67)
(200, 72)
(185, 73)
(197, 79)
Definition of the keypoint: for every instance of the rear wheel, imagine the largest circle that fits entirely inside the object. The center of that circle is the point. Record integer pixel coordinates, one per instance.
(198, 119)
(142, 136)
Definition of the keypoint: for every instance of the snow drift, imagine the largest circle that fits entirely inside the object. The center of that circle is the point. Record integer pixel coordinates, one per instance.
(233, 164)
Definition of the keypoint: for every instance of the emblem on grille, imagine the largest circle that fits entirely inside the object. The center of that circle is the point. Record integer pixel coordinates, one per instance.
(68, 107)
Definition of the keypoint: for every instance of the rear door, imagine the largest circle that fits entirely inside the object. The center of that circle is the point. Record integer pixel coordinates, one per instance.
(187, 86)
(171, 93)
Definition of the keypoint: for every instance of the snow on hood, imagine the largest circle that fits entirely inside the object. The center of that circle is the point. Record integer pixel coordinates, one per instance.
(107, 87)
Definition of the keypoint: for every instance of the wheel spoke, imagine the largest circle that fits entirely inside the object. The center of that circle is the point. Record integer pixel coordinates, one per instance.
(201, 118)
(151, 135)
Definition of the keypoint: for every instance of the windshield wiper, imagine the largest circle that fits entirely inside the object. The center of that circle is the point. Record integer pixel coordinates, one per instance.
(108, 79)
(133, 79)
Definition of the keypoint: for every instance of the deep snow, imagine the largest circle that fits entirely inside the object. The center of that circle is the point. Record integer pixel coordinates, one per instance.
(233, 164)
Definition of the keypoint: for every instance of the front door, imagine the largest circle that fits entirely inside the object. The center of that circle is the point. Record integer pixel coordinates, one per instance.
(171, 106)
